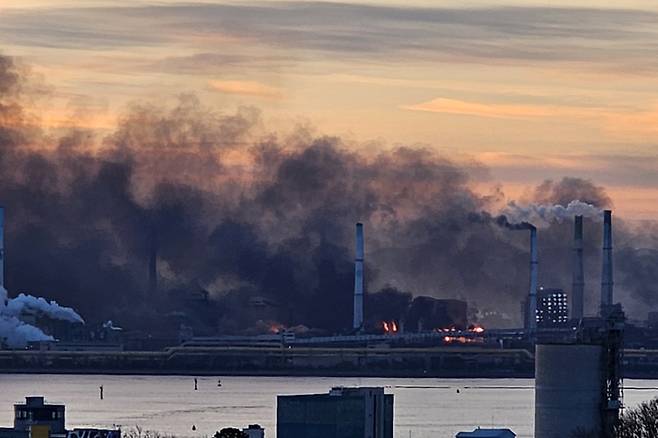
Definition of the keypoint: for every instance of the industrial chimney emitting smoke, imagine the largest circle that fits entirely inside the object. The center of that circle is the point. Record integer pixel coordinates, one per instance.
(358, 279)
(606, 269)
(532, 295)
(2, 247)
(578, 289)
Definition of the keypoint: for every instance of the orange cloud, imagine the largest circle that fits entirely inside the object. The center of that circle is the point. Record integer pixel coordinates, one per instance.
(248, 88)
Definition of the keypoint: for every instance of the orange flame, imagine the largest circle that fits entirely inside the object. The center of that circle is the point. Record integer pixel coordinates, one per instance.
(477, 329)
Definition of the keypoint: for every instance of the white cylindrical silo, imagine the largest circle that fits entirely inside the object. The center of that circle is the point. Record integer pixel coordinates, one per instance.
(569, 388)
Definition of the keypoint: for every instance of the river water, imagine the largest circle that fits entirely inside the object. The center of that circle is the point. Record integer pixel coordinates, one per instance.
(424, 408)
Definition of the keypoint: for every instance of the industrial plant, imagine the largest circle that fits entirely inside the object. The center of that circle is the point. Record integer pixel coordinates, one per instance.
(578, 361)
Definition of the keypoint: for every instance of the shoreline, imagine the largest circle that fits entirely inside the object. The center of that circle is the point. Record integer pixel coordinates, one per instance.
(269, 373)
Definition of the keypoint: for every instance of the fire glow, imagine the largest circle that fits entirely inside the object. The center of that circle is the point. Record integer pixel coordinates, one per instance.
(390, 326)
(469, 336)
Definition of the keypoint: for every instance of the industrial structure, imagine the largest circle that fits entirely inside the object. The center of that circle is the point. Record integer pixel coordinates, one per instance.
(2, 247)
(343, 412)
(153, 262)
(531, 315)
(578, 375)
(606, 270)
(578, 287)
(358, 279)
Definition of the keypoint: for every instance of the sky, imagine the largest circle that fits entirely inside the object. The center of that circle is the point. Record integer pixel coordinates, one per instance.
(530, 89)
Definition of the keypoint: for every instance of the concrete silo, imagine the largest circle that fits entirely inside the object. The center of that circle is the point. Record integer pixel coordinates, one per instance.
(569, 389)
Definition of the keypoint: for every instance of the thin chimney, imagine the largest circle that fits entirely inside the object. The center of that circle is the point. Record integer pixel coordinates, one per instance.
(606, 269)
(153, 261)
(358, 279)
(577, 293)
(2, 247)
(532, 294)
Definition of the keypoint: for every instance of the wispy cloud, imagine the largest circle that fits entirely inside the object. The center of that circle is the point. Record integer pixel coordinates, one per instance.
(636, 170)
(605, 37)
(246, 88)
(502, 111)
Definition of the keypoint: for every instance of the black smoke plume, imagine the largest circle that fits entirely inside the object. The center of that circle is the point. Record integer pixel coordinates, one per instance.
(262, 224)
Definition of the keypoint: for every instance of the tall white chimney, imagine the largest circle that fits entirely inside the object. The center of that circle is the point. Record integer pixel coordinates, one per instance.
(2, 247)
(606, 269)
(532, 294)
(578, 288)
(358, 278)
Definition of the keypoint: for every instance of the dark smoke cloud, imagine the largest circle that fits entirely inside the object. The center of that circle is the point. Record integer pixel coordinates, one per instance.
(253, 218)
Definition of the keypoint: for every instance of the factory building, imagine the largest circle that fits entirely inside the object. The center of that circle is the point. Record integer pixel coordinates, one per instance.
(552, 308)
(342, 413)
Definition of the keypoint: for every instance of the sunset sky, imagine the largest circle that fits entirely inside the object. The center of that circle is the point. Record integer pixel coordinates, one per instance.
(530, 89)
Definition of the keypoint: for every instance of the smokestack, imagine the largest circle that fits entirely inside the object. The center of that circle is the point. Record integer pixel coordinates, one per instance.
(2, 247)
(532, 295)
(358, 279)
(578, 288)
(153, 262)
(606, 270)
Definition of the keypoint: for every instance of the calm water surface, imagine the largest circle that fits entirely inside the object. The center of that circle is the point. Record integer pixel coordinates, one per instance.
(424, 408)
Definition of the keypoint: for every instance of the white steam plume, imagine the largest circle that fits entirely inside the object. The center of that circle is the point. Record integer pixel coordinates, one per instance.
(23, 303)
(14, 332)
(543, 215)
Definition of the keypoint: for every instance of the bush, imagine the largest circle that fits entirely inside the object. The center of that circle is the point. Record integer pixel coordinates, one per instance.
(230, 432)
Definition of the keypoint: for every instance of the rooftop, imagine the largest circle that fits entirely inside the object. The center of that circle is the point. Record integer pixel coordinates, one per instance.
(487, 433)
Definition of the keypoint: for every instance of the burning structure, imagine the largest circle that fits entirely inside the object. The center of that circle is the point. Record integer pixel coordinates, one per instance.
(427, 313)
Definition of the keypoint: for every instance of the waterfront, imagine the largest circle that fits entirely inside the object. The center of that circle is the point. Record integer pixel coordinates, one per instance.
(424, 408)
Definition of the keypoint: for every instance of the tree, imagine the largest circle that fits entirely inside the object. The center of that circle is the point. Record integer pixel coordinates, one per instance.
(640, 422)
(230, 432)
